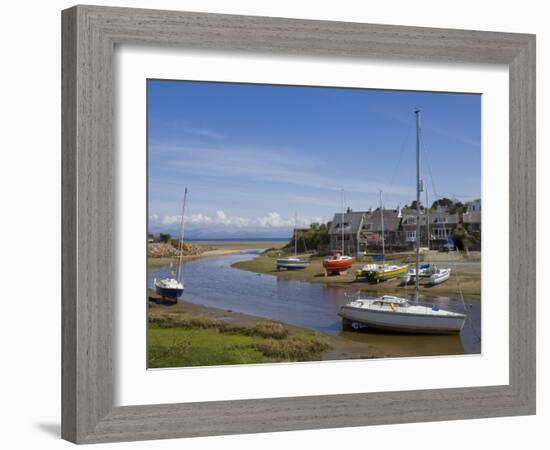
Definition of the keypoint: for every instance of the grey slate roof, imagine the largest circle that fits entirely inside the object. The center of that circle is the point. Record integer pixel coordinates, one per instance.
(435, 217)
(392, 220)
(352, 221)
(410, 213)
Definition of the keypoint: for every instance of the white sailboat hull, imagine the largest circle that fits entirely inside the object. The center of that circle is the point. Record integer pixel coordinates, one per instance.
(440, 276)
(291, 264)
(169, 287)
(403, 322)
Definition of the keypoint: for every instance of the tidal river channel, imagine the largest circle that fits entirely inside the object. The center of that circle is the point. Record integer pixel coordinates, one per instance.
(213, 282)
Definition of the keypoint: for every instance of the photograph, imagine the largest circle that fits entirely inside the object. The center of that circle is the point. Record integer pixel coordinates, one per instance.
(290, 224)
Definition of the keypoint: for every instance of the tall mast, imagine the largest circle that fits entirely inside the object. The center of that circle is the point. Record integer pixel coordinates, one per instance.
(428, 218)
(181, 234)
(342, 224)
(416, 278)
(295, 234)
(382, 222)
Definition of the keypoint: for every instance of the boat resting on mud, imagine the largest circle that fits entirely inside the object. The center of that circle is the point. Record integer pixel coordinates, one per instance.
(337, 264)
(381, 272)
(397, 314)
(291, 263)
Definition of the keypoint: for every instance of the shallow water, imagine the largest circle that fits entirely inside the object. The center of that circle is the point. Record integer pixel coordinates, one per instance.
(213, 282)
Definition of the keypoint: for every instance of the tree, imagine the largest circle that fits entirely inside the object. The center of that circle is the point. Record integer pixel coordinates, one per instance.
(442, 202)
(462, 239)
(315, 238)
(413, 205)
(165, 237)
(457, 207)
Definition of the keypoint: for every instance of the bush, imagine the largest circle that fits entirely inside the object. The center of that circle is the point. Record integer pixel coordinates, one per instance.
(315, 238)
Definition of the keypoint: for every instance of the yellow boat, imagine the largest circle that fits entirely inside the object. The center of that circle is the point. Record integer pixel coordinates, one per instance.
(389, 271)
(385, 272)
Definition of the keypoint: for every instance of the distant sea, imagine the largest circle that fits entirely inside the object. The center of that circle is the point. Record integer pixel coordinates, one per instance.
(250, 239)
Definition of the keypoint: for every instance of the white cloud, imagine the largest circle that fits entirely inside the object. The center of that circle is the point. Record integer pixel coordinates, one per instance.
(273, 219)
(221, 219)
(167, 220)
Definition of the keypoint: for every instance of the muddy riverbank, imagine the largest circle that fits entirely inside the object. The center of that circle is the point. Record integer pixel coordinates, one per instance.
(465, 277)
(233, 305)
(187, 334)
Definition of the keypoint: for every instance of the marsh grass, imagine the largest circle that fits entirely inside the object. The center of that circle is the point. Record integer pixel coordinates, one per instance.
(294, 349)
(179, 340)
(264, 328)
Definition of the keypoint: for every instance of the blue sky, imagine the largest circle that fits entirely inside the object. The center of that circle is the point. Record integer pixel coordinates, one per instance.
(254, 155)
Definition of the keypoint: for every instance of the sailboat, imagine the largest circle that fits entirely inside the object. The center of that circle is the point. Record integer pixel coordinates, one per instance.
(382, 272)
(173, 287)
(399, 314)
(293, 262)
(438, 275)
(338, 263)
(435, 274)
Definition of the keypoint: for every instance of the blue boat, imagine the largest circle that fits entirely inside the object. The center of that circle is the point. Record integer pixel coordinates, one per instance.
(172, 288)
(169, 288)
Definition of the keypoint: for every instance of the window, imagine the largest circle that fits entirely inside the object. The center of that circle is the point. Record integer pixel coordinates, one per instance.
(411, 236)
(367, 226)
(409, 220)
(440, 219)
(441, 233)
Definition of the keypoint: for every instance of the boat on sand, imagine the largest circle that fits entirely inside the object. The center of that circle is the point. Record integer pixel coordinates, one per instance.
(293, 262)
(172, 288)
(382, 272)
(337, 264)
(399, 314)
(438, 276)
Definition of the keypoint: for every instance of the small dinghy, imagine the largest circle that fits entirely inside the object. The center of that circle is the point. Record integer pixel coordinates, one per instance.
(425, 271)
(293, 262)
(367, 271)
(338, 264)
(438, 276)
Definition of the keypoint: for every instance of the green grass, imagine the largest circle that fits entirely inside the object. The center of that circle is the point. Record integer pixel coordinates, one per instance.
(201, 341)
(180, 347)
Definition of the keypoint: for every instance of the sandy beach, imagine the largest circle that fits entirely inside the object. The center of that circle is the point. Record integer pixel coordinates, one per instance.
(205, 249)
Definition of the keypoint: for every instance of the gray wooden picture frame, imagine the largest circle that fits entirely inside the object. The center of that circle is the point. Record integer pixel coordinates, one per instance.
(90, 34)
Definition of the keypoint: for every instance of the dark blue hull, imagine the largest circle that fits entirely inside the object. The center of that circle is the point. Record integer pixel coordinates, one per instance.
(291, 267)
(166, 292)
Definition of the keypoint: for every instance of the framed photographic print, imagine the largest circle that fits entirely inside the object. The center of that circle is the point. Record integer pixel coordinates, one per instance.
(270, 224)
